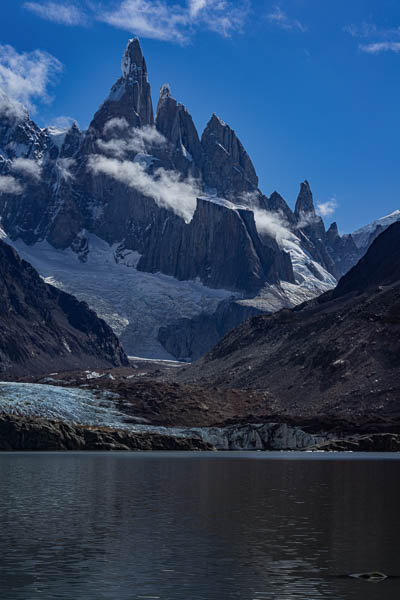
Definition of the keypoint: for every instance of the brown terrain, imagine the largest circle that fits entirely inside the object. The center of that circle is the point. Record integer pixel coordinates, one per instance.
(330, 365)
(337, 356)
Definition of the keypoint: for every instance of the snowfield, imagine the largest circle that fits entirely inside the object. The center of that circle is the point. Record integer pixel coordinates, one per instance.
(136, 304)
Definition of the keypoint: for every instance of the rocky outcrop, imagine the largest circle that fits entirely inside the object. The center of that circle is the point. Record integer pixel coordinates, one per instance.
(374, 442)
(27, 433)
(43, 328)
(226, 165)
(266, 436)
(221, 246)
(174, 122)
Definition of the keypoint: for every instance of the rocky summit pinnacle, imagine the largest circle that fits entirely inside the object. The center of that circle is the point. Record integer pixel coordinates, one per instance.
(130, 96)
(175, 123)
(305, 203)
(133, 59)
(226, 167)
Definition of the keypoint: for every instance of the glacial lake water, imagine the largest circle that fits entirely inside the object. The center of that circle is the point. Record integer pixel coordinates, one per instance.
(203, 526)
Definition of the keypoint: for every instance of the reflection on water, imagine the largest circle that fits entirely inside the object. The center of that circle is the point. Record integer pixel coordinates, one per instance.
(98, 526)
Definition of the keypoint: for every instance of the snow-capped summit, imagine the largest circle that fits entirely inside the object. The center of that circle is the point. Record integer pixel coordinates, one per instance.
(364, 236)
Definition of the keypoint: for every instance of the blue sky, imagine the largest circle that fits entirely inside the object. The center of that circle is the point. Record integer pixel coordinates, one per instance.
(311, 87)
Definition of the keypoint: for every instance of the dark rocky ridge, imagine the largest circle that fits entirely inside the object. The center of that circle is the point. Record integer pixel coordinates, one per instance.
(33, 434)
(336, 355)
(44, 328)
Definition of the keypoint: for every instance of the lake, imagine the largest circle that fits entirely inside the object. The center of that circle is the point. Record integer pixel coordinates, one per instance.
(198, 526)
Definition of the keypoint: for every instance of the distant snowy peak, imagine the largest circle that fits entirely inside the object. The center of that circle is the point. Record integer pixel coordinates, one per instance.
(364, 236)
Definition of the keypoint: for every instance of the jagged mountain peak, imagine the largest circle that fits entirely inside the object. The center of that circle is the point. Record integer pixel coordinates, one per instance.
(227, 167)
(175, 123)
(133, 59)
(130, 96)
(333, 231)
(216, 122)
(305, 202)
(165, 91)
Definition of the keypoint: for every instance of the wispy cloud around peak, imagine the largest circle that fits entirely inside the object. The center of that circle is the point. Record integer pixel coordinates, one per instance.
(281, 19)
(25, 77)
(167, 188)
(58, 12)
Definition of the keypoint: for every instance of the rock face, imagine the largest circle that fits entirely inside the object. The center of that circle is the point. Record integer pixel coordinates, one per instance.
(189, 339)
(374, 442)
(43, 328)
(174, 122)
(27, 433)
(336, 355)
(267, 436)
(226, 165)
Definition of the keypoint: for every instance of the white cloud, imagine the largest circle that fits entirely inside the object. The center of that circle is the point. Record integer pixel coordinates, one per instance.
(26, 76)
(195, 6)
(279, 18)
(167, 188)
(326, 209)
(58, 12)
(306, 219)
(115, 124)
(64, 166)
(379, 47)
(220, 16)
(152, 19)
(370, 30)
(163, 20)
(138, 139)
(11, 109)
(272, 224)
(62, 122)
(9, 185)
(28, 167)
